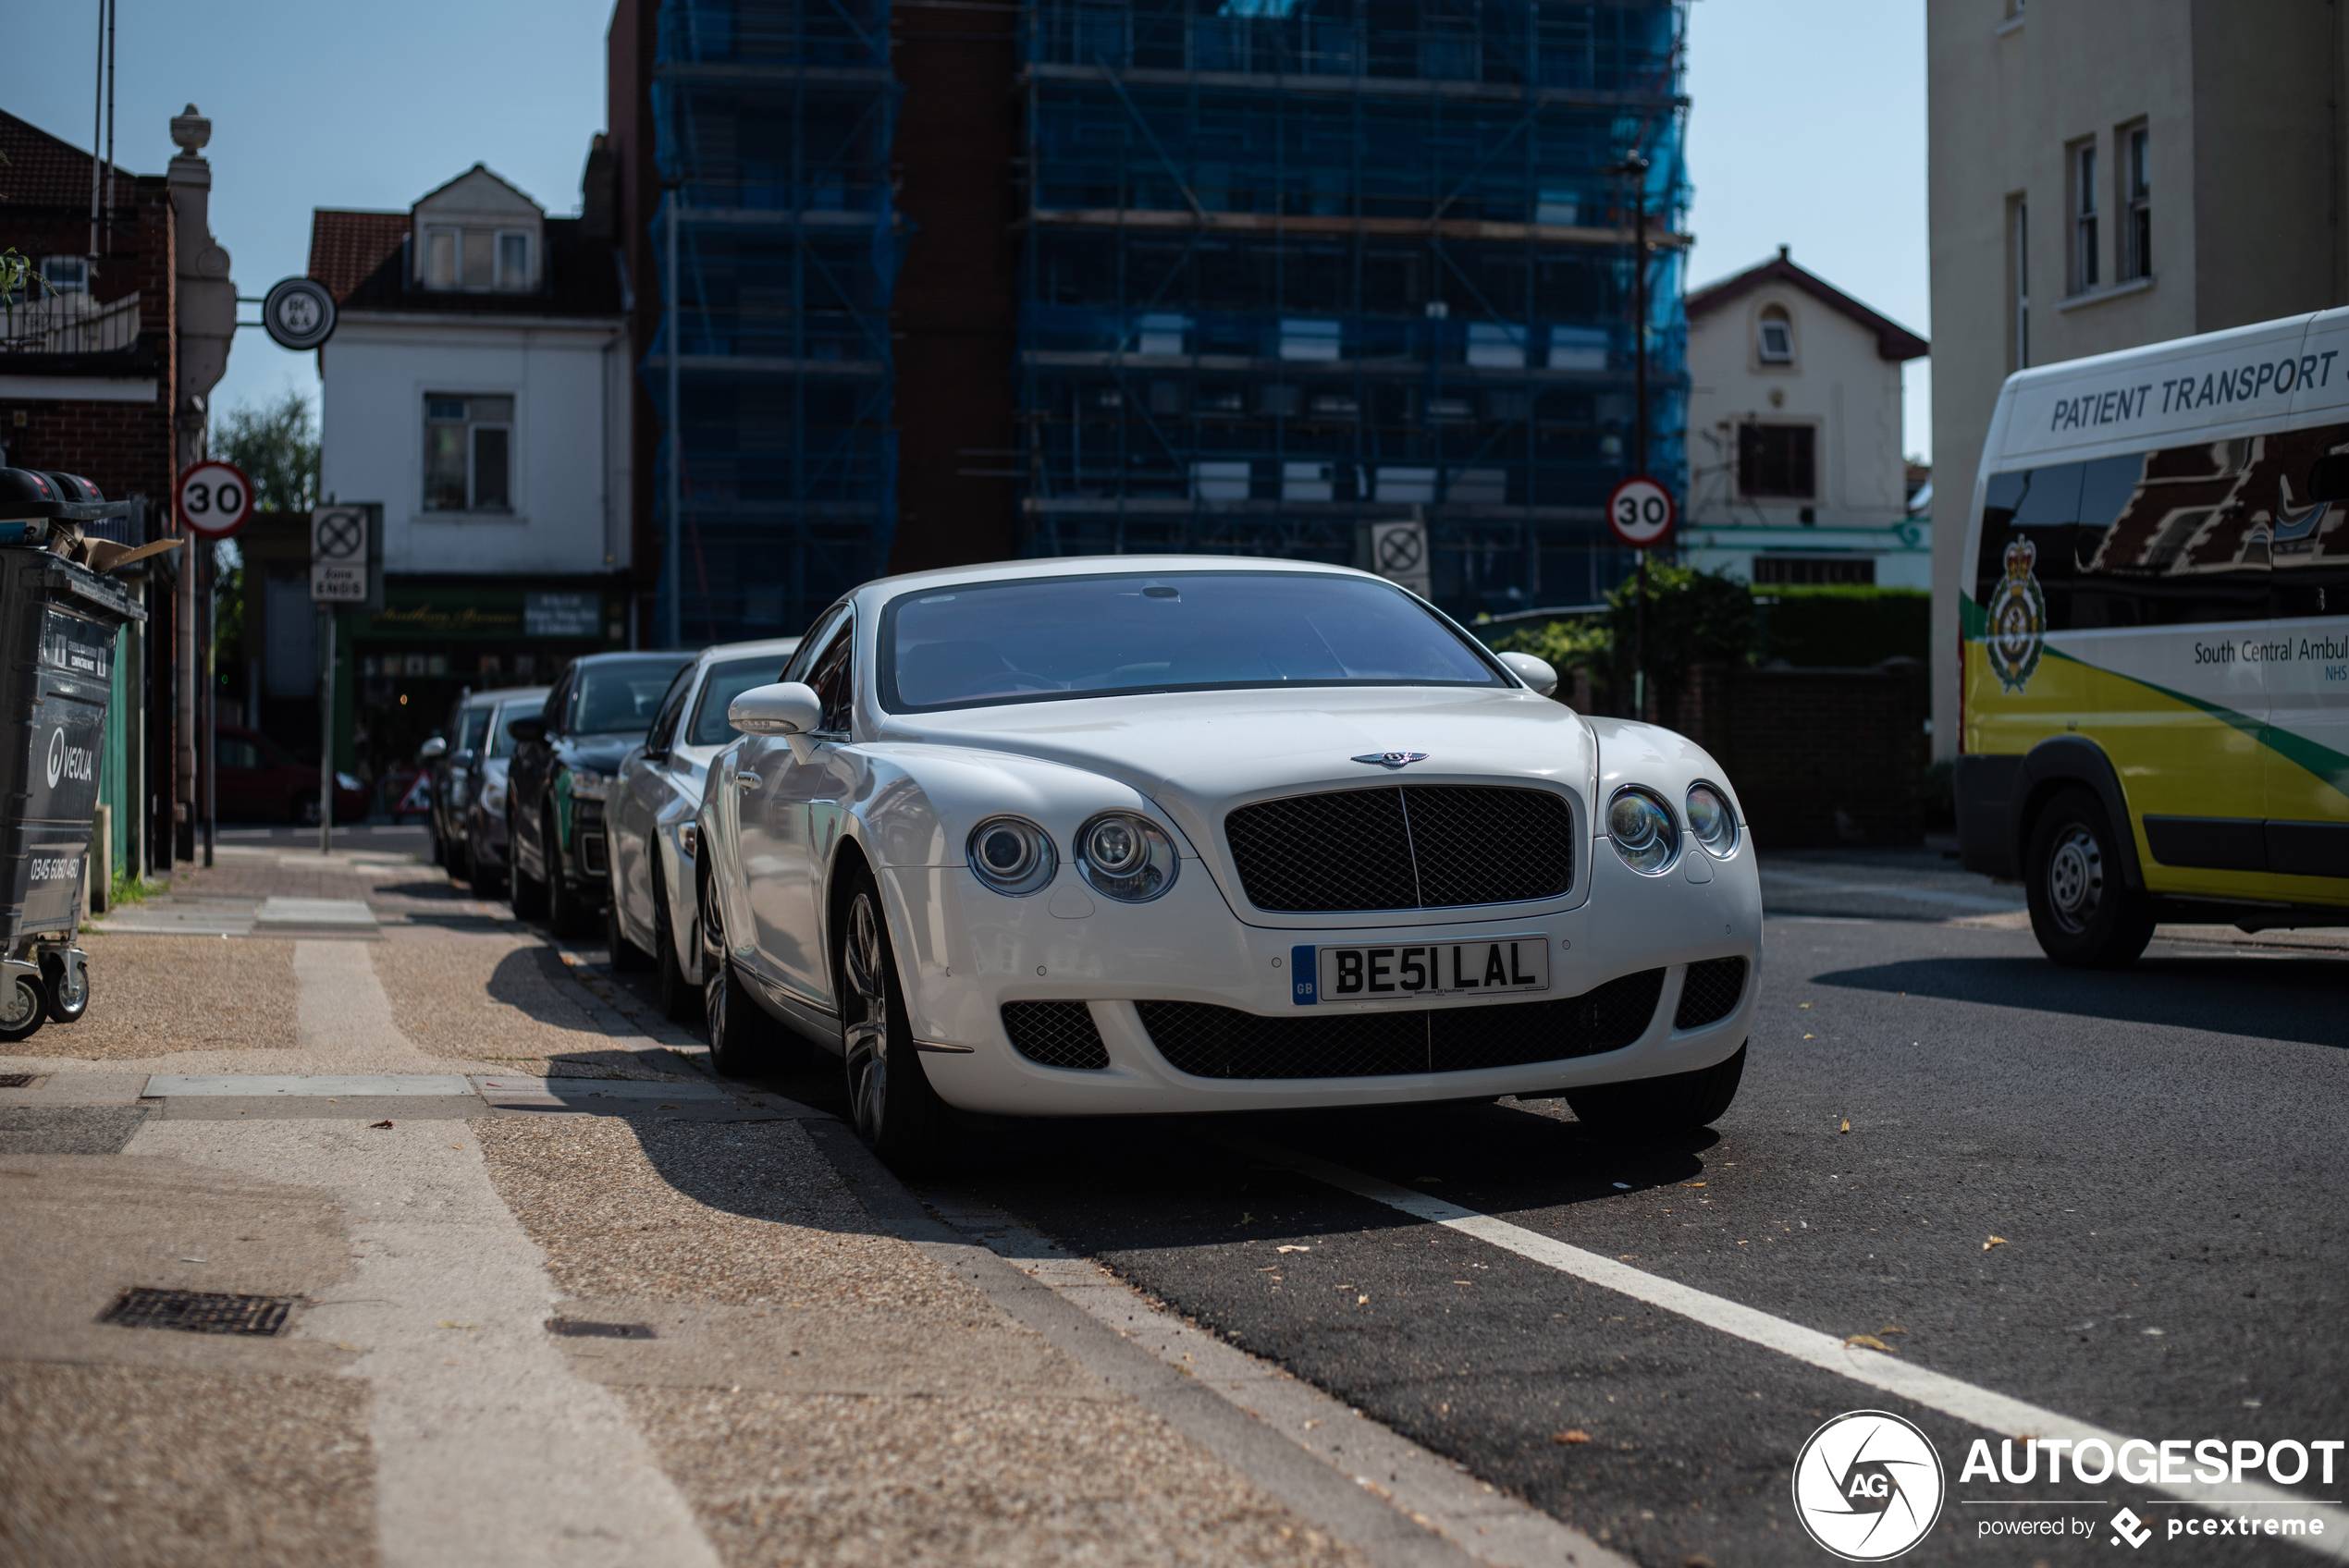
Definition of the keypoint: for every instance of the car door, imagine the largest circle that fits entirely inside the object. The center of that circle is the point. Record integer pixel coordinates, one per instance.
(646, 790)
(780, 865)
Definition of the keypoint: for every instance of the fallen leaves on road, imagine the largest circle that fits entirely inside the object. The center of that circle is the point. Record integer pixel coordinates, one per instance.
(1361, 1301)
(447, 1324)
(1892, 1328)
(1576, 1436)
(1847, 1125)
(380, 1125)
(1994, 1242)
(1868, 1341)
(1298, 1246)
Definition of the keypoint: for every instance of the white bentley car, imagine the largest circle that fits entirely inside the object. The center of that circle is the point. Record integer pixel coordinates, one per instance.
(1149, 834)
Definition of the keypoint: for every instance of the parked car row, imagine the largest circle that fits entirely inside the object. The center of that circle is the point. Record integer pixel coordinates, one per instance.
(1153, 834)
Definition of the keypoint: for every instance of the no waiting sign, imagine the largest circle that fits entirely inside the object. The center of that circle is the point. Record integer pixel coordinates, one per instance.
(1640, 511)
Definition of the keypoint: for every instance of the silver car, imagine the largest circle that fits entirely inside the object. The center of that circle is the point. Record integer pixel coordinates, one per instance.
(486, 863)
(652, 915)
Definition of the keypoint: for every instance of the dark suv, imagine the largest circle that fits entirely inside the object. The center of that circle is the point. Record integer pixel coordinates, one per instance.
(564, 760)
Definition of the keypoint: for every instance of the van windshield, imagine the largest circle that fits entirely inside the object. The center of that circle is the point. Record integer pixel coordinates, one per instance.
(1041, 639)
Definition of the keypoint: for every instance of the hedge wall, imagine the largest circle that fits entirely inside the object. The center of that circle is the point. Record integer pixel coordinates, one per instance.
(1825, 627)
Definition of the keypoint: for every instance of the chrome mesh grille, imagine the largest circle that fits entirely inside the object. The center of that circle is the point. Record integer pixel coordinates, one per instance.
(1207, 1041)
(1056, 1033)
(1410, 846)
(1710, 993)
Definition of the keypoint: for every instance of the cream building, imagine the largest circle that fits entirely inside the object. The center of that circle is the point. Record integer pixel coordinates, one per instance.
(2110, 173)
(1795, 468)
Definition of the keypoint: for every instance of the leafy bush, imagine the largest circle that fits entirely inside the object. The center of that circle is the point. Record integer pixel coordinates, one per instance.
(1692, 617)
(1841, 627)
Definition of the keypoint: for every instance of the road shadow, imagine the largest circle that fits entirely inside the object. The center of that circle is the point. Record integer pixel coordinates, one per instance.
(2296, 997)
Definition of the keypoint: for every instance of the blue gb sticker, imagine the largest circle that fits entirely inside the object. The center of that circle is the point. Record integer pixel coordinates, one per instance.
(1305, 976)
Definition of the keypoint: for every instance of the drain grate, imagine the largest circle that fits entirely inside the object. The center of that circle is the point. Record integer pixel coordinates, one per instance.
(200, 1312)
(18, 1080)
(574, 1328)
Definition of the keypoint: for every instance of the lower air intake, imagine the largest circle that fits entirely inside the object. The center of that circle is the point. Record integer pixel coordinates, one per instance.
(1056, 1033)
(1207, 1041)
(1710, 993)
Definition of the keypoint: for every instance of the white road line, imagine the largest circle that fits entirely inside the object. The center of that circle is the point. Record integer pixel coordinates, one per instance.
(1993, 1412)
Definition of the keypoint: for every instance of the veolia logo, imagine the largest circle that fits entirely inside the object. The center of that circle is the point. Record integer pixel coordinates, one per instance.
(1868, 1486)
(68, 762)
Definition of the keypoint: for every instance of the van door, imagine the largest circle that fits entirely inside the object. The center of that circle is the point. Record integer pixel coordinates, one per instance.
(2307, 678)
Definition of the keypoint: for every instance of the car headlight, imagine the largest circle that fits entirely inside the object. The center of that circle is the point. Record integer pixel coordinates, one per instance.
(1641, 828)
(345, 782)
(586, 784)
(493, 799)
(1710, 822)
(1126, 857)
(1013, 855)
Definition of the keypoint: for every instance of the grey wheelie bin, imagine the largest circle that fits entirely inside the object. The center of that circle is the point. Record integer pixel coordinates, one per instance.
(57, 623)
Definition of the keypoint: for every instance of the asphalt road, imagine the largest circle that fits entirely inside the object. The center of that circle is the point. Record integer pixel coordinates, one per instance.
(2158, 1153)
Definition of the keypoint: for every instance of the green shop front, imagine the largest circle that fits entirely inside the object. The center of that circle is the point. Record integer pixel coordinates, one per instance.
(399, 667)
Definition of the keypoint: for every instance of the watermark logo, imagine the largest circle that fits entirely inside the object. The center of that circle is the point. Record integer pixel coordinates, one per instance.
(1868, 1486)
(2127, 1526)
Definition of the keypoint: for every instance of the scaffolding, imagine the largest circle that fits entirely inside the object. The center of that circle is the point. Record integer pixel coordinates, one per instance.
(776, 246)
(1292, 267)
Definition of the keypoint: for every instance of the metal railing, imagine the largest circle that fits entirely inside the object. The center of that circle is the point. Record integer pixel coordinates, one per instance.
(69, 323)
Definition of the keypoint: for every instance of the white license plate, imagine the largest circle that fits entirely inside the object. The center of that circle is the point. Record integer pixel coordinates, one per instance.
(1486, 966)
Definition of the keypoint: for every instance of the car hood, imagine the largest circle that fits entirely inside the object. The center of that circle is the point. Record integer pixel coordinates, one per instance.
(1195, 753)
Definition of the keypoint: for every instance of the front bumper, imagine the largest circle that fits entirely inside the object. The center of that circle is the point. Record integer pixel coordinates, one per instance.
(964, 951)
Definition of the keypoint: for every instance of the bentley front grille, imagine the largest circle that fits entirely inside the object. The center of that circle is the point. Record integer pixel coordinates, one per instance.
(1409, 846)
(1710, 993)
(1207, 1041)
(1056, 1033)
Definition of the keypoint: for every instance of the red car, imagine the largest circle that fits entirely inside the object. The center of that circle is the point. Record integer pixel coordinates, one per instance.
(255, 781)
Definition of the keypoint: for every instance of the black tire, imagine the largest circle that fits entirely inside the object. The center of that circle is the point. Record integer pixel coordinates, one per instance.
(64, 1005)
(626, 956)
(1658, 1108)
(892, 1104)
(567, 914)
(744, 1039)
(679, 998)
(24, 1008)
(529, 895)
(2082, 909)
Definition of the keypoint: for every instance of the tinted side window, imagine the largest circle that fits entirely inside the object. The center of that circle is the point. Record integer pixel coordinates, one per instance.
(673, 702)
(829, 677)
(2310, 544)
(557, 705)
(2037, 510)
(817, 641)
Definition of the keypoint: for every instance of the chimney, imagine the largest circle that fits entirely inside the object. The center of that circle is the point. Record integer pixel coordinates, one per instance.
(599, 191)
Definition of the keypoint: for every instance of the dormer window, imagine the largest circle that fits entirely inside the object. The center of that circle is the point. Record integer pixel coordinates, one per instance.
(1774, 343)
(477, 259)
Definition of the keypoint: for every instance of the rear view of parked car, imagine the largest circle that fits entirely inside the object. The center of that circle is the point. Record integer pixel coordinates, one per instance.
(652, 915)
(564, 762)
(256, 781)
(450, 762)
(486, 864)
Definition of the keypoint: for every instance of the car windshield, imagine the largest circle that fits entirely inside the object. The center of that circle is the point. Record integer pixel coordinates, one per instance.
(476, 724)
(621, 697)
(1044, 638)
(727, 682)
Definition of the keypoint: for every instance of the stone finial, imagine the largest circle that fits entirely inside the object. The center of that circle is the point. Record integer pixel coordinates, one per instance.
(190, 131)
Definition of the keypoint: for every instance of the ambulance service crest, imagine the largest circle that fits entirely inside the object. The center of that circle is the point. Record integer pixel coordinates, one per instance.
(2017, 620)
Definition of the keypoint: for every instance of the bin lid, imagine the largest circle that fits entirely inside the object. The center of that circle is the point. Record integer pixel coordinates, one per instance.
(25, 493)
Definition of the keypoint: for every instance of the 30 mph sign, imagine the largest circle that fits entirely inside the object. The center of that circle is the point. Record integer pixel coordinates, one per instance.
(1640, 511)
(215, 498)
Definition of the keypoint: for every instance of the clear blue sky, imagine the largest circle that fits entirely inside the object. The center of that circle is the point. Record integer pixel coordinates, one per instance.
(1807, 129)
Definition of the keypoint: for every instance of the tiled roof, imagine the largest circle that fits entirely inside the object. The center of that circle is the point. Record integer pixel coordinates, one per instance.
(583, 277)
(1893, 341)
(347, 247)
(41, 170)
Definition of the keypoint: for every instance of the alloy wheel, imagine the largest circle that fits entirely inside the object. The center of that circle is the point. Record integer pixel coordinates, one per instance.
(868, 1037)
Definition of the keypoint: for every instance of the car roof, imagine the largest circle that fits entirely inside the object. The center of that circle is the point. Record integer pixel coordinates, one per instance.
(780, 646)
(522, 694)
(1095, 566)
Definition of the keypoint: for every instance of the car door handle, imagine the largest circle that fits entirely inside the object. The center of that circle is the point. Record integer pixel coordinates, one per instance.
(747, 781)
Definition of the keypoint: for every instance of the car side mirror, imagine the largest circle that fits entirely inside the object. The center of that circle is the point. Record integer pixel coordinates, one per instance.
(461, 757)
(1535, 672)
(432, 750)
(530, 727)
(787, 707)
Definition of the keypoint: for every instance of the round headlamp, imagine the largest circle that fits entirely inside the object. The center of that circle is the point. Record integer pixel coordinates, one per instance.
(1126, 857)
(1710, 822)
(1012, 855)
(1641, 828)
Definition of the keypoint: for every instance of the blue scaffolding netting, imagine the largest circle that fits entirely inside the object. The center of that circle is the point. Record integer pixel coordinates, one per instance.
(1289, 268)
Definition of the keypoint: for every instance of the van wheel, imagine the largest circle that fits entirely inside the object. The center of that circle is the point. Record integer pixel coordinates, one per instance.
(2082, 911)
(896, 1113)
(1656, 1107)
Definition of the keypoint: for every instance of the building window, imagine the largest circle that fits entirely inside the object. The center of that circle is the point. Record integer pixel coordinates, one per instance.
(1785, 572)
(2136, 204)
(1775, 343)
(477, 259)
(2083, 217)
(64, 275)
(1777, 462)
(468, 453)
(2018, 281)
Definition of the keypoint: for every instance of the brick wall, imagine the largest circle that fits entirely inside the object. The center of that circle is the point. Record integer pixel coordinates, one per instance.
(1818, 757)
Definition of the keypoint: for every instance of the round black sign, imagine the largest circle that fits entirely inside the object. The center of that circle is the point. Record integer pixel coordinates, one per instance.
(299, 314)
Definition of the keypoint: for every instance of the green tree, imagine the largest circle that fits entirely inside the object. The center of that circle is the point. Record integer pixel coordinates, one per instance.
(1693, 618)
(277, 444)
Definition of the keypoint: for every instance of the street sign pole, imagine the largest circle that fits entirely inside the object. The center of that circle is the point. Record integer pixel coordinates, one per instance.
(326, 733)
(344, 542)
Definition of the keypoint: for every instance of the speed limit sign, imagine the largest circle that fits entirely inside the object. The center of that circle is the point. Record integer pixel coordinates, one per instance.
(215, 498)
(1640, 511)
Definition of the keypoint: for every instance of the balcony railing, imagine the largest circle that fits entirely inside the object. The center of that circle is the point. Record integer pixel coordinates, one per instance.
(69, 324)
